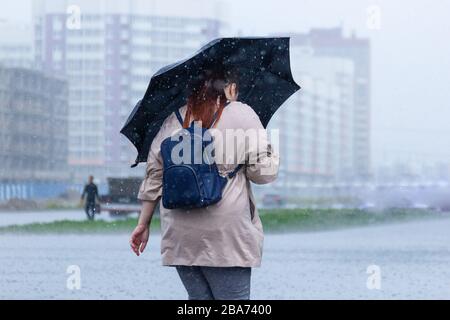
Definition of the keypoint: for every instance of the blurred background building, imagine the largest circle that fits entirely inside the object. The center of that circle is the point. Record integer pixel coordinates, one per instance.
(16, 45)
(328, 137)
(33, 134)
(96, 58)
(108, 51)
(332, 43)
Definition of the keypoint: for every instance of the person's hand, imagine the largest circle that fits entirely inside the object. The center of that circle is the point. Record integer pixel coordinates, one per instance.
(139, 239)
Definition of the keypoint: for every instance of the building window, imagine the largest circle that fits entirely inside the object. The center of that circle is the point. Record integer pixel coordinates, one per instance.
(57, 25)
(57, 55)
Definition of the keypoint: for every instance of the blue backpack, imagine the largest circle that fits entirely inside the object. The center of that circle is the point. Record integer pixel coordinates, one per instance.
(195, 184)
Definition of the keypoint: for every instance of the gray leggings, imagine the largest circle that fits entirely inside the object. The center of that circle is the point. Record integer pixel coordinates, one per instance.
(216, 283)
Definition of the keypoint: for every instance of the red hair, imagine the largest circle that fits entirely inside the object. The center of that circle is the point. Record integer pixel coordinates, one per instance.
(203, 99)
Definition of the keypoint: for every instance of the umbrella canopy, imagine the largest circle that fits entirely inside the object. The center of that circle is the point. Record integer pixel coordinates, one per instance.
(265, 83)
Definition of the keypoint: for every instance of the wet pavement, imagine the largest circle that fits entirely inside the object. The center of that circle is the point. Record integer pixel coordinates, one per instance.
(413, 260)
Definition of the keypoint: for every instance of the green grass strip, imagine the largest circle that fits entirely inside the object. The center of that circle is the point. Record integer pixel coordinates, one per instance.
(276, 220)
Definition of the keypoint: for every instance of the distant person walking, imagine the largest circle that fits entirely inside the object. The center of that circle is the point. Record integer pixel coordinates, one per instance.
(90, 196)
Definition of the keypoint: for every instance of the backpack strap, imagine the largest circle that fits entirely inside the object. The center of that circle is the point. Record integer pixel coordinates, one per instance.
(215, 114)
(179, 117)
(213, 120)
(235, 171)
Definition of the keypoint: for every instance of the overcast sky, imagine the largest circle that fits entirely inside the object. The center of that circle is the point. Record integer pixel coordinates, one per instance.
(410, 62)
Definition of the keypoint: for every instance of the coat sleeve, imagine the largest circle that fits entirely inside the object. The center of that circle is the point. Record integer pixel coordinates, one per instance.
(262, 161)
(151, 186)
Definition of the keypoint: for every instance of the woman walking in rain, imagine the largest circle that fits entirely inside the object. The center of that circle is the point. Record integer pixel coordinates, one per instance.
(213, 248)
(210, 227)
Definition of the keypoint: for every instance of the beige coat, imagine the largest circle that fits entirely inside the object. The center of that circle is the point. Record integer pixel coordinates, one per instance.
(230, 232)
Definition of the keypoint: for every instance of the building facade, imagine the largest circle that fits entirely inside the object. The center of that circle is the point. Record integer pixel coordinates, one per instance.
(108, 50)
(332, 43)
(316, 124)
(33, 134)
(324, 129)
(16, 45)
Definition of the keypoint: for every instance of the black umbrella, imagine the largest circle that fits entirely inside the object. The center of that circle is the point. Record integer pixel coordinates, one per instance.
(265, 83)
